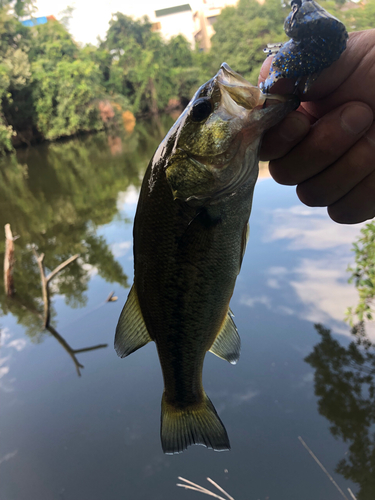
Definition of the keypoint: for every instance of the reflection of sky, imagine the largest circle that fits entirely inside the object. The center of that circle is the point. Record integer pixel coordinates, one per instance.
(315, 252)
(98, 436)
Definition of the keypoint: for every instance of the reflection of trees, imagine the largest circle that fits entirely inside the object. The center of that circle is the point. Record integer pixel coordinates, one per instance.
(345, 386)
(55, 197)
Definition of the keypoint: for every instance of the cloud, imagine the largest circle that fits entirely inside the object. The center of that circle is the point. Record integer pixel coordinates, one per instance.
(18, 344)
(309, 228)
(4, 370)
(128, 197)
(245, 397)
(8, 456)
(121, 249)
(322, 287)
(252, 301)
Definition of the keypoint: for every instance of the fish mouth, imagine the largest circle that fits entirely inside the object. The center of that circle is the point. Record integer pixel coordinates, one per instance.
(265, 109)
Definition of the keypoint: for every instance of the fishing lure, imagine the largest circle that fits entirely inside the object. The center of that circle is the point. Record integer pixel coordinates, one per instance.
(317, 40)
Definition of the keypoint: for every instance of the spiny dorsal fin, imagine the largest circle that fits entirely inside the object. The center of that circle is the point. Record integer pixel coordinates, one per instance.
(131, 331)
(227, 344)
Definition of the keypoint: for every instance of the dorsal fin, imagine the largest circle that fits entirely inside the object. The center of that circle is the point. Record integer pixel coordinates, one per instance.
(131, 331)
(227, 344)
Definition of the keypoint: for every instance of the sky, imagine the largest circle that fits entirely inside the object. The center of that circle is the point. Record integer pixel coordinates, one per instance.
(90, 19)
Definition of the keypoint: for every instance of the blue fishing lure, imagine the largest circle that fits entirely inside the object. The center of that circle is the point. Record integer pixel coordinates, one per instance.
(317, 40)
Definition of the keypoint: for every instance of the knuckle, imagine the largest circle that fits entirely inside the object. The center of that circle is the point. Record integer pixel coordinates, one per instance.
(324, 145)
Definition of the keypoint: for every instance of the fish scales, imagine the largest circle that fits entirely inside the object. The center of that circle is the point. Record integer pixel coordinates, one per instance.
(190, 233)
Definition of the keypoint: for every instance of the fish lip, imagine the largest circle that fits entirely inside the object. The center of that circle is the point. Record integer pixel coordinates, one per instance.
(247, 95)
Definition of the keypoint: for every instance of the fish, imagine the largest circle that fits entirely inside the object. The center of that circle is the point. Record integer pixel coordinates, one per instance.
(190, 233)
(317, 39)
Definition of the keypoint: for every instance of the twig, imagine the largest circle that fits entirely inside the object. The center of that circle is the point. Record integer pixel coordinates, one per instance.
(45, 281)
(45, 291)
(111, 297)
(195, 487)
(8, 261)
(219, 488)
(352, 494)
(322, 467)
(61, 267)
(72, 352)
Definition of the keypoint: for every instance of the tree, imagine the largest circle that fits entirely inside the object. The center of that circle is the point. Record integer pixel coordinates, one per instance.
(344, 382)
(363, 275)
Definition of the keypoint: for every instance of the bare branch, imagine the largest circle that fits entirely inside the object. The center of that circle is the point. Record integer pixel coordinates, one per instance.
(8, 261)
(45, 291)
(93, 348)
(61, 267)
(322, 467)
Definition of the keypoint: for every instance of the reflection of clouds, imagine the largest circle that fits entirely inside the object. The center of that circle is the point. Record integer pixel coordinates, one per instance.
(121, 249)
(4, 370)
(309, 228)
(90, 270)
(252, 301)
(4, 335)
(8, 456)
(322, 287)
(275, 273)
(225, 399)
(320, 283)
(18, 344)
(128, 197)
(307, 379)
(245, 397)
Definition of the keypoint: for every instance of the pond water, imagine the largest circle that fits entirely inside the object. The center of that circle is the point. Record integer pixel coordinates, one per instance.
(74, 433)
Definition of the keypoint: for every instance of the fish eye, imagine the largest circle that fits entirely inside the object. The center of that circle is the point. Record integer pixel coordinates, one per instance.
(201, 110)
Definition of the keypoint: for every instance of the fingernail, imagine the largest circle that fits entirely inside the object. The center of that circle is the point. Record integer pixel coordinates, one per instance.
(356, 118)
(293, 128)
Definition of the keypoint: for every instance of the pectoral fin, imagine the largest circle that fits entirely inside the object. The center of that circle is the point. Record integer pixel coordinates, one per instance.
(227, 344)
(131, 331)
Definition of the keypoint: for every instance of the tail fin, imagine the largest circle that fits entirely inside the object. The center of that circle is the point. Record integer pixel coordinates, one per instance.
(198, 425)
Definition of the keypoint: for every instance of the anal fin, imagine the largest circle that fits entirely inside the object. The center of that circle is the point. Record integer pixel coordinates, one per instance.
(227, 344)
(131, 331)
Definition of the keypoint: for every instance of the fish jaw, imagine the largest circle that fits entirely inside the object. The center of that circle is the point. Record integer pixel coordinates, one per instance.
(216, 162)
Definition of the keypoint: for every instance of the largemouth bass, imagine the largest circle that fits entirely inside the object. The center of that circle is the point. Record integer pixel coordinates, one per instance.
(190, 233)
(317, 39)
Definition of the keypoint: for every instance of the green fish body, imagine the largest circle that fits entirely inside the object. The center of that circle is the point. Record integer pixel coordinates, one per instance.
(190, 234)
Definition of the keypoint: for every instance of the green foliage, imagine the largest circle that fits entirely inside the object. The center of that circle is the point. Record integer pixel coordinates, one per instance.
(363, 275)
(50, 87)
(242, 32)
(65, 98)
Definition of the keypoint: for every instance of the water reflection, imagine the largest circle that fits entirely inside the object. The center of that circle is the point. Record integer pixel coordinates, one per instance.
(55, 197)
(317, 276)
(344, 382)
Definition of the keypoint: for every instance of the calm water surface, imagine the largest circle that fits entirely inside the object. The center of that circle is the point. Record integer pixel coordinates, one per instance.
(96, 436)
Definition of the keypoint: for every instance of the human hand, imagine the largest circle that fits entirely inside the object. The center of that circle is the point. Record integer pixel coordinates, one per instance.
(327, 146)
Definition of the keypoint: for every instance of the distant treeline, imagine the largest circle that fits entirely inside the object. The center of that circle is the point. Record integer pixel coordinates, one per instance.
(51, 87)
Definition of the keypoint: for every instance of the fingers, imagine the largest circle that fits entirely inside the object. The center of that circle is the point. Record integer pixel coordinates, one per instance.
(279, 140)
(329, 139)
(356, 206)
(342, 176)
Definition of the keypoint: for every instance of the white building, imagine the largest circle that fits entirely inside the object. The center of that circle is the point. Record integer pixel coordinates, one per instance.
(173, 21)
(194, 20)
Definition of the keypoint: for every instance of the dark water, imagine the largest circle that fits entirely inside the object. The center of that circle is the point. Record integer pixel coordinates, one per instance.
(96, 436)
